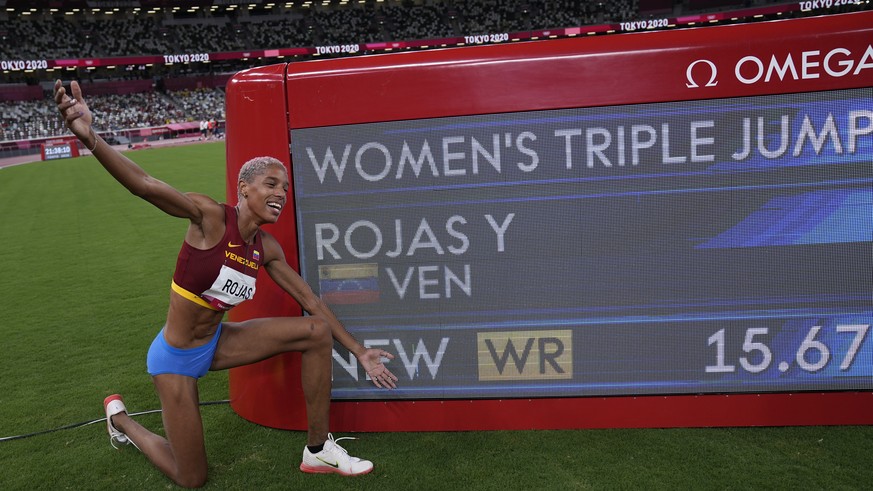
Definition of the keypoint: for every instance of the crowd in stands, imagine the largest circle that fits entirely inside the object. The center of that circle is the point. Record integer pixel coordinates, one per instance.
(417, 22)
(88, 35)
(28, 120)
(281, 33)
(345, 26)
(25, 120)
(46, 36)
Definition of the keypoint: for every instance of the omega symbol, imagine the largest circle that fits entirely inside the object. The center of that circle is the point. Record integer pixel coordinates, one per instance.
(712, 79)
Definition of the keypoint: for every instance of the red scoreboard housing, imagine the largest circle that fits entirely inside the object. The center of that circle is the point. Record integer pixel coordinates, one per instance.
(264, 105)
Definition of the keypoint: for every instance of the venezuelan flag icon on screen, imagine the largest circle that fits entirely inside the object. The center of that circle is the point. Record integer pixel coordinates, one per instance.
(347, 284)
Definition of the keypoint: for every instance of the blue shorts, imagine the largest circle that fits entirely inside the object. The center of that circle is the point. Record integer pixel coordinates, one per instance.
(193, 362)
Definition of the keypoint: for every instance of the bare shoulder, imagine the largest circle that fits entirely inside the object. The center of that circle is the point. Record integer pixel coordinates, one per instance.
(202, 199)
(207, 228)
(210, 209)
(272, 248)
(269, 240)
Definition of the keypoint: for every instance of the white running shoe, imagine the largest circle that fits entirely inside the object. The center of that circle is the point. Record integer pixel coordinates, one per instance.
(114, 405)
(334, 459)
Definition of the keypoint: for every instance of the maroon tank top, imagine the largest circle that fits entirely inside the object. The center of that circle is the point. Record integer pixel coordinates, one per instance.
(223, 276)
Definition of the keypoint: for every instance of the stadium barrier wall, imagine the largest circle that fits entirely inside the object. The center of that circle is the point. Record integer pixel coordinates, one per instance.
(20, 92)
(193, 83)
(271, 109)
(18, 148)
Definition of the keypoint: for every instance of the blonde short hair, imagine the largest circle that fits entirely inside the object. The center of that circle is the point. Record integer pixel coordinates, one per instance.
(255, 167)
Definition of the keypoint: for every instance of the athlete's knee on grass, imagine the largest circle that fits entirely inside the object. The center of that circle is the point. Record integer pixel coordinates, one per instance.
(197, 481)
(191, 478)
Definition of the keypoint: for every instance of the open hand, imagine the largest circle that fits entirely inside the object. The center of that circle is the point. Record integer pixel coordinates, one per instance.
(371, 360)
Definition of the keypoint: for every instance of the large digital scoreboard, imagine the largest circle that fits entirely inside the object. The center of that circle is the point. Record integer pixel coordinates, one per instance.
(581, 224)
(702, 246)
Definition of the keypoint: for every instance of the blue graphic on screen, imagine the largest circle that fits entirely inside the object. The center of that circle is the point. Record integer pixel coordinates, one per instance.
(817, 217)
(688, 247)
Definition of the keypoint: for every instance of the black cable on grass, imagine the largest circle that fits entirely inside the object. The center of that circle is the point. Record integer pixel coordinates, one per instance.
(86, 423)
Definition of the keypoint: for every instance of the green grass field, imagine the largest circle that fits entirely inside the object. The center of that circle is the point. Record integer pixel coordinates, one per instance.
(85, 275)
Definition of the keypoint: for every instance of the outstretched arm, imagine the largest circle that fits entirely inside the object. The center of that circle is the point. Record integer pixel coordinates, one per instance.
(291, 282)
(78, 118)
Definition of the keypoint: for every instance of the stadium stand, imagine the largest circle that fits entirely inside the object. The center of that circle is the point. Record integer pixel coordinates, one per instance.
(152, 95)
(33, 36)
(28, 120)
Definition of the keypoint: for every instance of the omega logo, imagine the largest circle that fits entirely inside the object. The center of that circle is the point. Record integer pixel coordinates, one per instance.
(692, 84)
